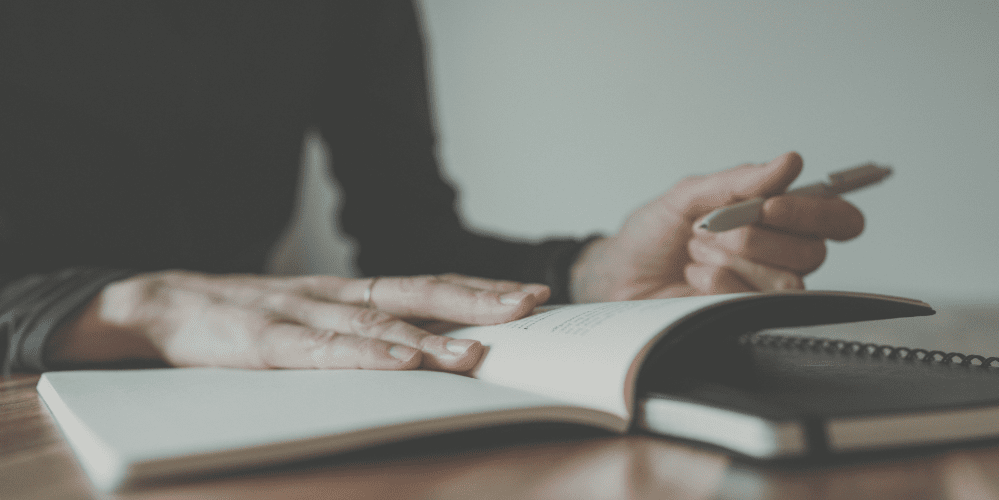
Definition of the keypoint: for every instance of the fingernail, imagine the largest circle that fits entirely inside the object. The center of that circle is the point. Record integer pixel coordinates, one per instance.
(460, 346)
(402, 352)
(513, 298)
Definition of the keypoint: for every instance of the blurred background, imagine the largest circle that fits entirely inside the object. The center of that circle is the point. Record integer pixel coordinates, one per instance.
(561, 117)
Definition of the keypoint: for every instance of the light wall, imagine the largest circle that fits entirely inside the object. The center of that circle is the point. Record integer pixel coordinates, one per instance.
(560, 117)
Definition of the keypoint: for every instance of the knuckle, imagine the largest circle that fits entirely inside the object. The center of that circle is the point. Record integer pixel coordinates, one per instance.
(660, 215)
(309, 314)
(813, 255)
(727, 260)
(417, 284)
(257, 324)
(371, 322)
(364, 350)
(693, 273)
(312, 341)
(715, 278)
(696, 249)
(290, 305)
(483, 300)
(788, 282)
(743, 240)
(316, 282)
(306, 282)
(781, 211)
(679, 197)
(275, 342)
(711, 255)
(367, 349)
(689, 182)
(278, 301)
(487, 296)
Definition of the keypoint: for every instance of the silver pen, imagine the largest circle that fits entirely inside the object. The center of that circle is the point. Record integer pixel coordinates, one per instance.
(748, 212)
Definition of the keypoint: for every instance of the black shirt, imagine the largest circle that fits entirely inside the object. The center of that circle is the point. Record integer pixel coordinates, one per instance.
(140, 136)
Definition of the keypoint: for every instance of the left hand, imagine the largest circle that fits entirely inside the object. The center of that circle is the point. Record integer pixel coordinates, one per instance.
(186, 318)
(659, 252)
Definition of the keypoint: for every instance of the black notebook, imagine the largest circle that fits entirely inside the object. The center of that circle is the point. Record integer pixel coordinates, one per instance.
(771, 397)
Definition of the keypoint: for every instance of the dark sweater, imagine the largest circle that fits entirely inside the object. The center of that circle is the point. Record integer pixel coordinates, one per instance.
(140, 136)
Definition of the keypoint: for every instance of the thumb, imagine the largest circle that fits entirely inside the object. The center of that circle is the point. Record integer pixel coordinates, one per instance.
(697, 196)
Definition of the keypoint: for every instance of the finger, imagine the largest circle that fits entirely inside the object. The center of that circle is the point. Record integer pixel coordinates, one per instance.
(429, 297)
(540, 292)
(696, 196)
(758, 276)
(709, 280)
(439, 352)
(833, 218)
(800, 254)
(287, 345)
(675, 291)
(246, 289)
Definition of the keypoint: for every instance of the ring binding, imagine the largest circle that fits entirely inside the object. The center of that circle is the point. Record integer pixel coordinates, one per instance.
(831, 346)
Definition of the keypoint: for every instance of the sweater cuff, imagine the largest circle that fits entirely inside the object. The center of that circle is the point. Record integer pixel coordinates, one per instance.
(35, 306)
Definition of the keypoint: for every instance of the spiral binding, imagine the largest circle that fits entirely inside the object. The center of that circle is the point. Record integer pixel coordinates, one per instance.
(831, 346)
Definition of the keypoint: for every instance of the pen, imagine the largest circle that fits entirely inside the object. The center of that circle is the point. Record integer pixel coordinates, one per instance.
(748, 212)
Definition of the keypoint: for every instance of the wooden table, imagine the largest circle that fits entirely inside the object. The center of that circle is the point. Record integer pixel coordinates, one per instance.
(36, 463)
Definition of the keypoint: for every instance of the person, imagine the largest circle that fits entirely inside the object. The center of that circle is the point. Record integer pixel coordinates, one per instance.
(149, 153)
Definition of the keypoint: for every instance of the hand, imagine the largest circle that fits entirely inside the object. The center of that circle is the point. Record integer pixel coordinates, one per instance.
(245, 321)
(659, 252)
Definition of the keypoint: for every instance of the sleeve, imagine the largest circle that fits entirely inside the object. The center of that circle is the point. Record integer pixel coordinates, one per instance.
(376, 117)
(32, 307)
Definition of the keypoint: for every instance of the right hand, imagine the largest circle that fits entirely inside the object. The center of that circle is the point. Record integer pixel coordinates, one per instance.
(246, 321)
(661, 252)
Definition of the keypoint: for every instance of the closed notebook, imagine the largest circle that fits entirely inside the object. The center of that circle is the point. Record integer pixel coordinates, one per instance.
(770, 396)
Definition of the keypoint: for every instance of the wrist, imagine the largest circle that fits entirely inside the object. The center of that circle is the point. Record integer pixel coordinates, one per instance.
(590, 275)
(108, 329)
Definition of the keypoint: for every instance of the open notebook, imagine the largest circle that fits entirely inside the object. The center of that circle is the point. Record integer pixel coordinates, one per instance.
(588, 364)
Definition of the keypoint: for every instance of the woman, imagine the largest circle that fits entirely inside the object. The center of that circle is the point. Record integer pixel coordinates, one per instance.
(149, 157)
